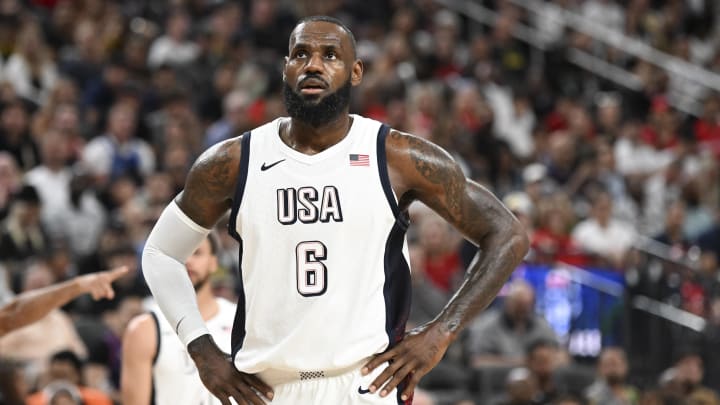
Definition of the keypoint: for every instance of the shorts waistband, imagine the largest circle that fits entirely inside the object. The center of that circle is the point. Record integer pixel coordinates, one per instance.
(275, 377)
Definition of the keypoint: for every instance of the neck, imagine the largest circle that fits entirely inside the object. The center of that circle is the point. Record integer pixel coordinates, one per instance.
(206, 302)
(310, 140)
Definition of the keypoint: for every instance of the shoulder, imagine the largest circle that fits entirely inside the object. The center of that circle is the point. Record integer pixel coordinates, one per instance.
(220, 160)
(142, 325)
(420, 161)
(211, 181)
(402, 145)
(140, 338)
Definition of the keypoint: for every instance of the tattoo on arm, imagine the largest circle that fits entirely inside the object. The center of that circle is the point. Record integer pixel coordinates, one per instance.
(210, 184)
(475, 212)
(438, 167)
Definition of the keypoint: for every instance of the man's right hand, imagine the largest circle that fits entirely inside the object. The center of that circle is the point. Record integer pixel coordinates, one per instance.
(222, 378)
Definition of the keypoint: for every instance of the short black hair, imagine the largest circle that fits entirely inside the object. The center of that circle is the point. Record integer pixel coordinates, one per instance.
(540, 343)
(331, 20)
(68, 357)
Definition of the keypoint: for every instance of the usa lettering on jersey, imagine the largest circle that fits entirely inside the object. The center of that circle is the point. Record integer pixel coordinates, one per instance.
(308, 205)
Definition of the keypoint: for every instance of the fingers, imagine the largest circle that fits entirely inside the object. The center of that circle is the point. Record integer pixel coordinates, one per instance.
(376, 361)
(107, 292)
(248, 395)
(116, 273)
(259, 385)
(102, 290)
(384, 377)
(396, 379)
(410, 388)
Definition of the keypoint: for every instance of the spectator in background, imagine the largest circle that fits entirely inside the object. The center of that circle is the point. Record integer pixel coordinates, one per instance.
(75, 218)
(66, 367)
(698, 216)
(235, 118)
(660, 189)
(101, 92)
(118, 152)
(22, 236)
(610, 387)
(673, 234)
(500, 335)
(689, 368)
(542, 358)
(601, 235)
(31, 69)
(635, 158)
(440, 243)
(10, 182)
(15, 135)
(428, 299)
(174, 48)
(551, 240)
(520, 388)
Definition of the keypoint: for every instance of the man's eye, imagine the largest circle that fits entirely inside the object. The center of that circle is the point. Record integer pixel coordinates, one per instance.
(300, 54)
(331, 55)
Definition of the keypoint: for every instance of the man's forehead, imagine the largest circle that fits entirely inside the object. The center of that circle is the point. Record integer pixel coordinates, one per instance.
(318, 32)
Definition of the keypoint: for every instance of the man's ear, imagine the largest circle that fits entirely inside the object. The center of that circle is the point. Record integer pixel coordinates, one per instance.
(357, 72)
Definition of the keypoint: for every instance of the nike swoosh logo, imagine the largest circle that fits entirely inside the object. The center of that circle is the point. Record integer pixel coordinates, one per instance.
(177, 326)
(362, 391)
(266, 166)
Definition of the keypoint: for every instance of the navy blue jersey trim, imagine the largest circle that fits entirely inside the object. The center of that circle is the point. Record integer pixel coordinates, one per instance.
(238, 330)
(396, 290)
(157, 333)
(385, 178)
(240, 186)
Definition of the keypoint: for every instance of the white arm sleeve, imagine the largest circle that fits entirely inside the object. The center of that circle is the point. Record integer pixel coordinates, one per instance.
(172, 240)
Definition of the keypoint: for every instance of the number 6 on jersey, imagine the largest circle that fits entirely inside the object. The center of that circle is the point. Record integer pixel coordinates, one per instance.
(311, 271)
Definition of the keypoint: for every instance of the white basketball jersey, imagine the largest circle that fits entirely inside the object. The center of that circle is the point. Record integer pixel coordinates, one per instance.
(175, 377)
(325, 276)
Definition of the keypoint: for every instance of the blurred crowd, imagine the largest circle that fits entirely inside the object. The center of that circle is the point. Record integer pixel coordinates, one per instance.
(104, 105)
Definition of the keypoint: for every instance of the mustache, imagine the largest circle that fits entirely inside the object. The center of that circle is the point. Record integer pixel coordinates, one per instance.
(312, 76)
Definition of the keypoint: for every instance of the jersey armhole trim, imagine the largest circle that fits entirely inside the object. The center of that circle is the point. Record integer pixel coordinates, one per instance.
(385, 178)
(240, 187)
(157, 333)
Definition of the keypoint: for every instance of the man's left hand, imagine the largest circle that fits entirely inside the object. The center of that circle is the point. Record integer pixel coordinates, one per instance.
(421, 349)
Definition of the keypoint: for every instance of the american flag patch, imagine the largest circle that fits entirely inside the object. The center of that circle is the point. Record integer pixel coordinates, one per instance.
(359, 160)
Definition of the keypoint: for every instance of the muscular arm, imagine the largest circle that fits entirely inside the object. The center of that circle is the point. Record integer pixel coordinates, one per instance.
(208, 193)
(139, 348)
(33, 305)
(181, 228)
(424, 172)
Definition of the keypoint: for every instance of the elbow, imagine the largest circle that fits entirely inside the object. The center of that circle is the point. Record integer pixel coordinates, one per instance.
(519, 241)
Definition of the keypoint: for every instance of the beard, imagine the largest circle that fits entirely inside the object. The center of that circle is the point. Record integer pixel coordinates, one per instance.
(313, 111)
(197, 285)
(615, 380)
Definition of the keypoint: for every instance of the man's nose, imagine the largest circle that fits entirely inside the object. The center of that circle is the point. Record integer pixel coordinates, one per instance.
(315, 63)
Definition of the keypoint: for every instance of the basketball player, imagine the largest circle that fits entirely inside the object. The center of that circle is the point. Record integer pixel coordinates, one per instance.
(32, 306)
(319, 204)
(156, 368)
